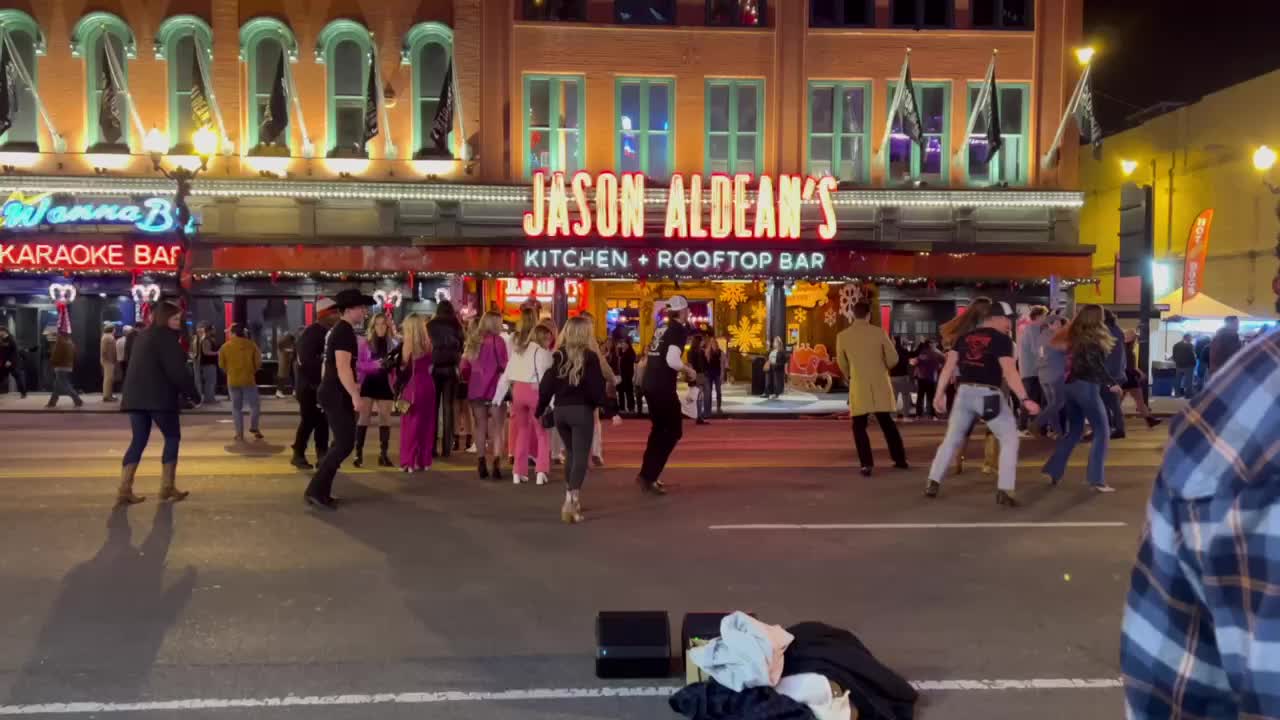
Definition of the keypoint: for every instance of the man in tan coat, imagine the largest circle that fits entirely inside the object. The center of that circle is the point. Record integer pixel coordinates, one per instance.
(107, 358)
(865, 355)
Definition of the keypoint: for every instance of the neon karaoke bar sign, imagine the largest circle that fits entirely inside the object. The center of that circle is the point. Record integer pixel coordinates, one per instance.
(29, 212)
(89, 256)
(613, 206)
(631, 261)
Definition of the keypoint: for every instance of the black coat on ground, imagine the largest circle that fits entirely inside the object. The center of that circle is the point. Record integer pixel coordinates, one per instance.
(877, 692)
(158, 376)
(712, 701)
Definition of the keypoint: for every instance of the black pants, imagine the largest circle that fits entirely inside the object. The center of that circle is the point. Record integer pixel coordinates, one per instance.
(891, 437)
(626, 397)
(312, 422)
(342, 420)
(925, 390)
(140, 422)
(1115, 413)
(1032, 386)
(664, 433)
(577, 426)
(446, 381)
(775, 381)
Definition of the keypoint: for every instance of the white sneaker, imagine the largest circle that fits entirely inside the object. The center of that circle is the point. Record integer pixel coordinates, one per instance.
(1025, 434)
(472, 449)
(1104, 489)
(519, 479)
(543, 479)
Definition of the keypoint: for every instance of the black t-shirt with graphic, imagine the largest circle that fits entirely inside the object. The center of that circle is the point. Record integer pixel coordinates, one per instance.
(659, 378)
(341, 337)
(980, 352)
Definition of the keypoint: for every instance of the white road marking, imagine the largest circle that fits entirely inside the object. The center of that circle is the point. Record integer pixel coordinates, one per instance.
(921, 526)
(454, 696)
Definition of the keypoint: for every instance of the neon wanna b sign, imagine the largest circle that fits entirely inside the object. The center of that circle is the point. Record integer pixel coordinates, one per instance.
(613, 206)
(28, 212)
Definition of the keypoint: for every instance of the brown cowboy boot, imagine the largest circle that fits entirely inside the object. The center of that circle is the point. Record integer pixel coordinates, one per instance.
(125, 496)
(167, 489)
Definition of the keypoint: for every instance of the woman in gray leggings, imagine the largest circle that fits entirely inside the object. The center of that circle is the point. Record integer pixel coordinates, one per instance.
(574, 387)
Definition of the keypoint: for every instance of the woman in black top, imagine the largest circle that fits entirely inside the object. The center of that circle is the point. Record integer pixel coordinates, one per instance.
(701, 364)
(1087, 342)
(576, 385)
(447, 337)
(626, 359)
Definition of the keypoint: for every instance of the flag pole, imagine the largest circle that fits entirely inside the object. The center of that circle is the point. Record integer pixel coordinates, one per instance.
(59, 144)
(388, 148)
(117, 76)
(308, 149)
(983, 96)
(212, 96)
(457, 103)
(1047, 161)
(894, 105)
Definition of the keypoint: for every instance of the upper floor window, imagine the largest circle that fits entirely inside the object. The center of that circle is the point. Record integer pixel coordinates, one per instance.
(842, 13)
(23, 41)
(922, 13)
(183, 42)
(107, 80)
(553, 121)
(907, 160)
(555, 10)
(645, 129)
(838, 137)
(267, 46)
(1015, 14)
(735, 116)
(1009, 164)
(346, 49)
(645, 12)
(429, 49)
(742, 13)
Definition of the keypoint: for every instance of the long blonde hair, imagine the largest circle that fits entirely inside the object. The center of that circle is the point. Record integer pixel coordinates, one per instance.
(490, 324)
(417, 343)
(575, 342)
(966, 322)
(1087, 328)
(524, 329)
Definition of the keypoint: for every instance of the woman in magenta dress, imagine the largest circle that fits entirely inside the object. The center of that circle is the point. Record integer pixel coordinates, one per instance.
(418, 423)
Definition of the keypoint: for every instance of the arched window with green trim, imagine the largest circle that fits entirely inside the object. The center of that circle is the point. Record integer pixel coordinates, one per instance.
(28, 41)
(264, 44)
(177, 42)
(428, 50)
(88, 42)
(345, 48)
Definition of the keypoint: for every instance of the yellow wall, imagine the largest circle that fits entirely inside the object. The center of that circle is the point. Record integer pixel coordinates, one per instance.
(1209, 146)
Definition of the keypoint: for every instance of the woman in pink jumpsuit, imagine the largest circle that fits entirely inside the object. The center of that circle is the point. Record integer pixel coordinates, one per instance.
(530, 358)
(418, 423)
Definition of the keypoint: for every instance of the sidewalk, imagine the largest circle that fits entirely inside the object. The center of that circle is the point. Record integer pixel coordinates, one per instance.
(737, 404)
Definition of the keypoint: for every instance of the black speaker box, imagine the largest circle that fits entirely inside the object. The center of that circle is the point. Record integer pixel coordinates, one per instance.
(634, 644)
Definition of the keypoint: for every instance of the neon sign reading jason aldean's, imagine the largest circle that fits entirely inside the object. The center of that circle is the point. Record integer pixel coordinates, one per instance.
(561, 209)
(25, 212)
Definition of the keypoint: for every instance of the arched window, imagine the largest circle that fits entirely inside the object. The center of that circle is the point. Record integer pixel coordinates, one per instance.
(428, 48)
(345, 48)
(177, 42)
(265, 44)
(23, 132)
(107, 111)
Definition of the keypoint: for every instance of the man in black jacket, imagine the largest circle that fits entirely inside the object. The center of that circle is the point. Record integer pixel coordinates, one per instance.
(1184, 361)
(447, 339)
(308, 364)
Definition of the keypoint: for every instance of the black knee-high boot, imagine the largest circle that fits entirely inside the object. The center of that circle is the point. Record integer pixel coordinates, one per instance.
(361, 432)
(384, 439)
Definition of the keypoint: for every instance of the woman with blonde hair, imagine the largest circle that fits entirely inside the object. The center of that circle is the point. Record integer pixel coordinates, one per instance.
(485, 359)
(416, 386)
(1087, 342)
(375, 386)
(530, 360)
(575, 384)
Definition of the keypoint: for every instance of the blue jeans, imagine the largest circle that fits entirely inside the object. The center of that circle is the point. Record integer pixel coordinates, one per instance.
(140, 421)
(1084, 402)
(62, 386)
(241, 396)
(1186, 381)
(208, 381)
(1055, 400)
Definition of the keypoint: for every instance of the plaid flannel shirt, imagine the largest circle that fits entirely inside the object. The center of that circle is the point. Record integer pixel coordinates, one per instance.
(1202, 622)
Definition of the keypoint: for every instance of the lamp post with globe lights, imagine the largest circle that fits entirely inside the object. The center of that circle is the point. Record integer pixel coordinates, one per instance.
(205, 143)
(1264, 159)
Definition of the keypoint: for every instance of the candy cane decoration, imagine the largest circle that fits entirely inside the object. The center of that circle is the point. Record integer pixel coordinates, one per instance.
(143, 298)
(63, 294)
(388, 301)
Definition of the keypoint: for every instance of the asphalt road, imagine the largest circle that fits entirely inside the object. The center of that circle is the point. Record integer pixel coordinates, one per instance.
(240, 601)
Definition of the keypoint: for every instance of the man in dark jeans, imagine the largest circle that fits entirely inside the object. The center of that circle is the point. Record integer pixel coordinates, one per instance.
(308, 368)
(1116, 368)
(1028, 355)
(1184, 360)
(339, 392)
(447, 339)
(664, 364)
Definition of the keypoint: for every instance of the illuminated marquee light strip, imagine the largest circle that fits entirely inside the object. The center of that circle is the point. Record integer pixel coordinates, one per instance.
(503, 194)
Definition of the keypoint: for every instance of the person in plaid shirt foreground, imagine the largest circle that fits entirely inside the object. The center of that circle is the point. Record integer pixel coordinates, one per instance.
(1202, 622)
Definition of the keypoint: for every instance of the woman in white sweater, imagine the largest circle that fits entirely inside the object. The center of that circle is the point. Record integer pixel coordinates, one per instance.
(529, 360)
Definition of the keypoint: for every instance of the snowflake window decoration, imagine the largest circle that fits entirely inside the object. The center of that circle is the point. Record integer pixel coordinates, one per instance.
(850, 295)
(733, 294)
(800, 315)
(758, 313)
(830, 317)
(745, 336)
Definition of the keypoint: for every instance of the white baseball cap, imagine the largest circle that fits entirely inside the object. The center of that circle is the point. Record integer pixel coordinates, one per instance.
(677, 302)
(324, 304)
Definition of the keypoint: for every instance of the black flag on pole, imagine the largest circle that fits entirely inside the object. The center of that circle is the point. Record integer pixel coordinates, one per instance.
(8, 89)
(912, 126)
(442, 124)
(370, 107)
(991, 113)
(110, 121)
(199, 95)
(1086, 120)
(275, 116)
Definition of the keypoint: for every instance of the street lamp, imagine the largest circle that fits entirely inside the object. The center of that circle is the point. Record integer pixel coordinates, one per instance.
(1264, 159)
(1128, 166)
(205, 144)
(1084, 55)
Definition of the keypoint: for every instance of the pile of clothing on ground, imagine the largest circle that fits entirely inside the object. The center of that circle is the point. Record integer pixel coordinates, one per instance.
(805, 672)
